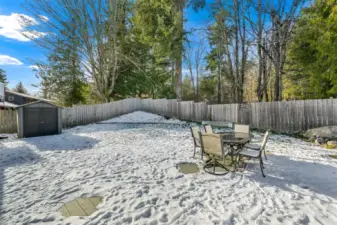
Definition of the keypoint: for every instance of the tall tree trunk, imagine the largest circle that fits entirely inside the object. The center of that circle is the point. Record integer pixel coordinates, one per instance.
(219, 88)
(244, 52)
(219, 71)
(190, 68)
(266, 96)
(259, 89)
(179, 50)
(178, 76)
(276, 54)
(264, 85)
(277, 82)
(197, 84)
(283, 55)
(231, 72)
(236, 50)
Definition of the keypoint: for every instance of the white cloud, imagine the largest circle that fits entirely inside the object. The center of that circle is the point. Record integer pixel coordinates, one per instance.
(8, 60)
(34, 67)
(14, 25)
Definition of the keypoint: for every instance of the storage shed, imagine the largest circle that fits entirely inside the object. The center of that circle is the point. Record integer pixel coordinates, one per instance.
(39, 119)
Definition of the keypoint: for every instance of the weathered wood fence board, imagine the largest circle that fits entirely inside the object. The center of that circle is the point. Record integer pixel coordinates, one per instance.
(227, 113)
(81, 115)
(200, 111)
(287, 116)
(186, 110)
(172, 108)
(8, 122)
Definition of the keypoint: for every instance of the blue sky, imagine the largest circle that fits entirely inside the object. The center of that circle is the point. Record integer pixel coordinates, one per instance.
(18, 54)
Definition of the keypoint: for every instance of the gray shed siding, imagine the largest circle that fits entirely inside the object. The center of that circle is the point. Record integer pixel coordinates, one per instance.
(39, 119)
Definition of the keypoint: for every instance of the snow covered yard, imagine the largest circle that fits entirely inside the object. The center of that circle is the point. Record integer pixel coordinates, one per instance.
(133, 167)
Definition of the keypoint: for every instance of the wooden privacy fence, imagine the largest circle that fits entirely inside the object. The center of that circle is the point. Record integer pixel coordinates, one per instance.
(287, 116)
(294, 116)
(81, 115)
(8, 121)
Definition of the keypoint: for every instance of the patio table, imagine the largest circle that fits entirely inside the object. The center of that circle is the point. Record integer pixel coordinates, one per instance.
(235, 141)
(243, 135)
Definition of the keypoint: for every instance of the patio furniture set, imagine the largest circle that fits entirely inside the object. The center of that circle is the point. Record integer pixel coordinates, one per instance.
(236, 145)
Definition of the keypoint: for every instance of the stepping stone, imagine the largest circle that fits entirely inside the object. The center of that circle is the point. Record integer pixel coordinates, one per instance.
(81, 206)
(188, 168)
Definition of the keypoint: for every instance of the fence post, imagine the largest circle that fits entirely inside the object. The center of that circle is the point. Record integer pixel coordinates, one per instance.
(178, 109)
(209, 112)
(206, 111)
(193, 112)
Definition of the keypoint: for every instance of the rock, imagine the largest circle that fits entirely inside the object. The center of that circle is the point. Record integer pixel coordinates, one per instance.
(312, 139)
(319, 141)
(329, 146)
(323, 132)
(332, 143)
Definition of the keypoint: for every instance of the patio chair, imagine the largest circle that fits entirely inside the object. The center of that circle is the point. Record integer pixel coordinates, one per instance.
(196, 138)
(208, 129)
(241, 130)
(250, 153)
(256, 145)
(212, 145)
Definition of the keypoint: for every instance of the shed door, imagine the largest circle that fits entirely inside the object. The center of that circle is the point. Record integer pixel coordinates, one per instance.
(40, 121)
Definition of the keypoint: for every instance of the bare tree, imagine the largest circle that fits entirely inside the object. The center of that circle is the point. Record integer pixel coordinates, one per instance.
(194, 57)
(199, 58)
(96, 24)
(271, 40)
(179, 12)
(189, 61)
(257, 28)
(241, 46)
(230, 38)
(283, 15)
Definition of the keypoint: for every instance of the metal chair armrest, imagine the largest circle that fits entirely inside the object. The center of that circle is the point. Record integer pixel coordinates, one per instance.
(257, 148)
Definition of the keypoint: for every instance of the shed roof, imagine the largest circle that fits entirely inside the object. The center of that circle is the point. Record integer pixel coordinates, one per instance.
(8, 105)
(33, 103)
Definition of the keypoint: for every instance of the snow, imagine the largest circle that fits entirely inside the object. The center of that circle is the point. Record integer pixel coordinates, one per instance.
(133, 167)
(142, 117)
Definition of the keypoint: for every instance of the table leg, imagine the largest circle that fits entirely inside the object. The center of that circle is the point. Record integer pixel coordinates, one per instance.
(235, 163)
(237, 158)
(232, 154)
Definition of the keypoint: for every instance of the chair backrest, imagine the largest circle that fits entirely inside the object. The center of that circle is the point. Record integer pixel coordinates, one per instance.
(240, 128)
(208, 129)
(265, 139)
(211, 144)
(196, 137)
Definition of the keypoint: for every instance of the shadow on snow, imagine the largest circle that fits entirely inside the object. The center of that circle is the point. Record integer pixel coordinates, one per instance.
(63, 142)
(283, 173)
(10, 157)
(25, 155)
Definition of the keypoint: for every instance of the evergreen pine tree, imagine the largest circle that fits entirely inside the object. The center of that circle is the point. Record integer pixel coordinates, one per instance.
(3, 76)
(20, 88)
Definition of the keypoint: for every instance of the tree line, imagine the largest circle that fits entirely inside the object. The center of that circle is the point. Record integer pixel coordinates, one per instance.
(251, 50)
